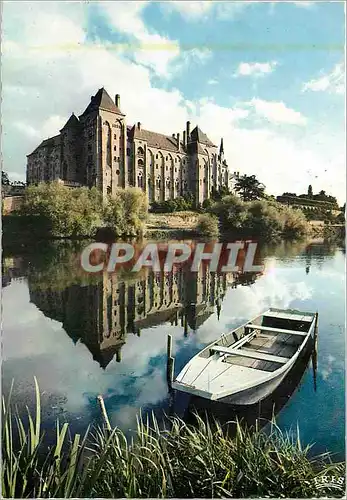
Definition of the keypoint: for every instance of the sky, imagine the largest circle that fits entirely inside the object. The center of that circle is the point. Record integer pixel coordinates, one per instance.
(268, 77)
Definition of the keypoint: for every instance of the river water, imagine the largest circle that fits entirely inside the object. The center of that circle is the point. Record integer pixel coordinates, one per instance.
(82, 335)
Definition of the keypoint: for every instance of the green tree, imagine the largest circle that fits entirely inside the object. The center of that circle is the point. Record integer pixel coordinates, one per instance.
(264, 219)
(218, 194)
(231, 212)
(5, 181)
(67, 212)
(208, 226)
(249, 188)
(126, 212)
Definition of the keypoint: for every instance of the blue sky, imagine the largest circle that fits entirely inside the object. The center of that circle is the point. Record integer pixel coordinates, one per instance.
(267, 77)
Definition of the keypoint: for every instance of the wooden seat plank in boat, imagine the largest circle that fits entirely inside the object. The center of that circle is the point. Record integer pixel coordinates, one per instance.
(248, 353)
(291, 315)
(275, 330)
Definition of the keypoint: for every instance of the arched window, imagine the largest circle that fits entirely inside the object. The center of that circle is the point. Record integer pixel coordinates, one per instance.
(108, 144)
(140, 181)
(140, 151)
(140, 163)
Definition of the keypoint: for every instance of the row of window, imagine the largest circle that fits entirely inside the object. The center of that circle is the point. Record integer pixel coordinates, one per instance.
(141, 152)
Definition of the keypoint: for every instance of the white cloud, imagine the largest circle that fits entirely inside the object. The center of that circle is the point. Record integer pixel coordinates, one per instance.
(203, 10)
(255, 69)
(201, 55)
(207, 111)
(188, 58)
(191, 10)
(212, 81)
(333, 83)
(48, 128)
(152, 50)
(276, 112)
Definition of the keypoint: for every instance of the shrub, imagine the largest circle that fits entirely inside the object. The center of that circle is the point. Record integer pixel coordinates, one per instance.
(208, 226)
(126, 212)
(207, 204)
(340, 219)
(179, 204)
(231, 212)
(70, 212)
(295, 225)
(81, 211)
(265, 219)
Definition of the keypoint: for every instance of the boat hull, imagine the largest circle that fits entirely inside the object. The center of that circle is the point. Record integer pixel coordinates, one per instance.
(250, 387)
(262, 391)
(255, 394)
(262, 411)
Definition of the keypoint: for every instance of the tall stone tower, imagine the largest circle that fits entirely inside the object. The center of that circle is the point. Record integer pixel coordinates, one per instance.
(104, 143)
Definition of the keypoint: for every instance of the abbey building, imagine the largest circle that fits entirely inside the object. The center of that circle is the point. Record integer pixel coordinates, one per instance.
(99, 149)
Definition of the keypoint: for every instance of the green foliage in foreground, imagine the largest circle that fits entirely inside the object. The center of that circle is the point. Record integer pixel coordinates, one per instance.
(183, 462)
(66, 212)
(264, 219)
(208, 226)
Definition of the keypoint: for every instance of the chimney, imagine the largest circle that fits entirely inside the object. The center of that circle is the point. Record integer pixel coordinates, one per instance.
(173, 135)
(139, 125)
(117, 100)
(188, 132)
(179, 141)
(184, 138)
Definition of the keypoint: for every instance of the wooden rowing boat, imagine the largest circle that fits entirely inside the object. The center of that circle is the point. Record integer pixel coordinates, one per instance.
(247, 364)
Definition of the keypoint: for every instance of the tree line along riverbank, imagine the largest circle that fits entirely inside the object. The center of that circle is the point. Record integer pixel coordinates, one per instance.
(51, 210)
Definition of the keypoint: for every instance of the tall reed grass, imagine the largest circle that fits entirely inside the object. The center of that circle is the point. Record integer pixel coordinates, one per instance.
(181, 461)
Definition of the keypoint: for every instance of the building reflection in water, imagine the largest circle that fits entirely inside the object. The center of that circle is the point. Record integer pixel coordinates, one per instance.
(102, 314)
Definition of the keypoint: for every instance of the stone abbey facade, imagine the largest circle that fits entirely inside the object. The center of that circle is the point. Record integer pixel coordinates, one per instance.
(99, 149)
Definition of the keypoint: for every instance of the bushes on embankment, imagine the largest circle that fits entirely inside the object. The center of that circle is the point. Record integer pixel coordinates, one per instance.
(56, 210)
(264, 219)
(208, 226)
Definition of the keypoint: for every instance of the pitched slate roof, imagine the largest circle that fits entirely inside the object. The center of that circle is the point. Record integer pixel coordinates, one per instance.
(51, 142)
(154, 139)
(101, 100)
(198, 136)
(72, 122)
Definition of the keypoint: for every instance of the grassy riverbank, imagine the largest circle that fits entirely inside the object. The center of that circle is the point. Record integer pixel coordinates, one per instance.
(182, 461)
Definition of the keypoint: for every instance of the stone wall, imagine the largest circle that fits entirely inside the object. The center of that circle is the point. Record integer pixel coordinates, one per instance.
(11, 204)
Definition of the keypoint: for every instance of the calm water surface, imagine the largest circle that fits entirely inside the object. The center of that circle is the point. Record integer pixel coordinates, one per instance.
(83, 336)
